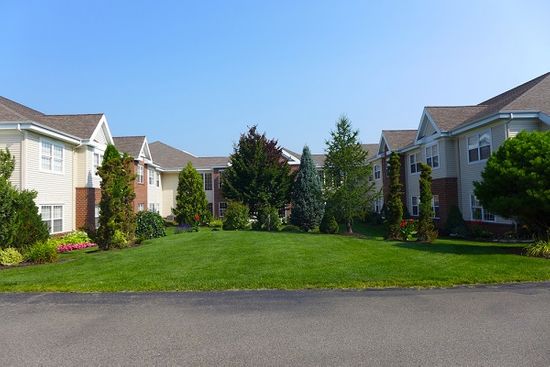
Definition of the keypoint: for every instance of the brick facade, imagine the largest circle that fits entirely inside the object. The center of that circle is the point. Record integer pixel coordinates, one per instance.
(447, 190)
(86, 201)
(140, 188)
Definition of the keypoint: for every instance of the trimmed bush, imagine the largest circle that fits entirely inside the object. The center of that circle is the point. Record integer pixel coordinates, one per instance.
(42, 252)
(236, 216)
(216, 223)
(268, 220)
(10, 256)
(539, 249)
(149, 225)
(329, 224)
(29, 227)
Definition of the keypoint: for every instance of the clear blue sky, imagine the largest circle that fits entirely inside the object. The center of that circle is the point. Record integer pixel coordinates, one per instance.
(195, 74)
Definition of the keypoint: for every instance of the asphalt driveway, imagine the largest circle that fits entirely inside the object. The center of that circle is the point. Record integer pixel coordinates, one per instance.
(491, 326)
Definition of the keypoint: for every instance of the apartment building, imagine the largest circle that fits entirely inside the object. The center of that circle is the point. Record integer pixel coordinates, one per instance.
(58, 156)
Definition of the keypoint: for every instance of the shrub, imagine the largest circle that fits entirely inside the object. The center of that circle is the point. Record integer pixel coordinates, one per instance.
(539, 249)
(149, 225)
(10, 256)
(236, 216)
(216, 223)
(268, 220)
(291, 228)
(119, 240)
(329, 224)
(455, 223)
(28, 225)
(477, 231)
(42, 252)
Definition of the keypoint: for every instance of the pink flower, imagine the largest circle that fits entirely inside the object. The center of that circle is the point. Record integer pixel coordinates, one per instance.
(74, 246)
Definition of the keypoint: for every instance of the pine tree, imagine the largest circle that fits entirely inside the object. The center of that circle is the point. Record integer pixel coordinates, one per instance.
(348, 191)
(258, 175)
(191, 200)
(426, 231)
(116, 219)
(394, 204)
(307, 196)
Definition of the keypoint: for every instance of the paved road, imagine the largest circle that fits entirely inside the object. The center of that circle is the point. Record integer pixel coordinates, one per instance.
(504, 326)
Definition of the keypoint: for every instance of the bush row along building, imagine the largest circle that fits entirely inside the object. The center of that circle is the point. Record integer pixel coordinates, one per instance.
(58, 155)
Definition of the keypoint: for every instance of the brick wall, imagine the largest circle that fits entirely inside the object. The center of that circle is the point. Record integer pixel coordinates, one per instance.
(447, 190)
(140, 188)
(86, 201)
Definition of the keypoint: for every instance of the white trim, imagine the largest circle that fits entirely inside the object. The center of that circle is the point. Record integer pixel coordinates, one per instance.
(416, 162)
(52, 216)
(497, 116)
(292, 160)
(374, 171)
(483, 210)
(426, 114)
(417, 206)
(102, 121)
(42, 140)
(478, 152)
(429, 146)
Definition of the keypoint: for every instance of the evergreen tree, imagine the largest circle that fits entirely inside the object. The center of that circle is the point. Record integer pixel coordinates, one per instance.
(116, 219)
(394, 204)
(516, 181)
(426, 231)
(190, 198)
(259, 175)
(349, 193)
(307, 196)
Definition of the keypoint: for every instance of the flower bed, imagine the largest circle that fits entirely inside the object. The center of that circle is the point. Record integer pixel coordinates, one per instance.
(75, 246)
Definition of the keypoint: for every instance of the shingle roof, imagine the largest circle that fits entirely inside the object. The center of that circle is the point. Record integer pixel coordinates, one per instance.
(533, 95)
(372, 149)
(130, 145)
(172, 158)
(80, 125)
(397, 139)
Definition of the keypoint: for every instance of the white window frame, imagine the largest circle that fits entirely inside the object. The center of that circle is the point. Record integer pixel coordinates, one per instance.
(378, 205)
(416, 163)
(220, 177)
(431, 156)
(413, 205)
(51, 156)
(220, 212)
(141, 207)
(379, 172)
(151, 176)
(52, 218)
(434, 201)
(205, 180)
(140, 174)
(157, 178)
(474, 203)
(97, 211)
(478, 148)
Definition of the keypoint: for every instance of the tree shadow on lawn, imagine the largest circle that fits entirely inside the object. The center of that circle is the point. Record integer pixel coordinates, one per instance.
(463, 248)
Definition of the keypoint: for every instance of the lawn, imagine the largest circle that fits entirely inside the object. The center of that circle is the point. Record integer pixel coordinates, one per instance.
(221, 260)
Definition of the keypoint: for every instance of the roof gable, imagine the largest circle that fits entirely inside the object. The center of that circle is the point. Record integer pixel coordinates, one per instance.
(131, 145)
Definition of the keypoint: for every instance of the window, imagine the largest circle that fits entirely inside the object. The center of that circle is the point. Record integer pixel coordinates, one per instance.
(478, 212)
(414, 201)
(97, 161)
(141, 207)
(96, 216)
(378, 203)
(151, 176)
(435, 205)
(158, 179)
(388, 169)
(479, 147)
(154, 207)
(140, 173)
(220, 172)
(210, 208)
(414, 163)
(432, 156)
(377, 172)
(222, 207)
(52, 216)
(208, 181)
(51, 157)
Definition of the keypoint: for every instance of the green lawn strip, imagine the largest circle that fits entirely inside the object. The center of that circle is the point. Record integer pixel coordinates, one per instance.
(220, 260)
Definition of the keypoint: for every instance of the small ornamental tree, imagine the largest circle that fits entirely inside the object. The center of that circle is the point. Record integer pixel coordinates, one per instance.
(426, 231)
(259, 175)
(117, 218)
(516, 182)
(394, 204)
(190, 198)
(307, 196)
(348, 190)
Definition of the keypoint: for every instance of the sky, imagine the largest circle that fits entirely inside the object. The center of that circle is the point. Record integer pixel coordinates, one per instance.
(196, 74)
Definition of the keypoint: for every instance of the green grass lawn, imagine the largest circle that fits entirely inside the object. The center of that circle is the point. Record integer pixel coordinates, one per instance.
(255, 260)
